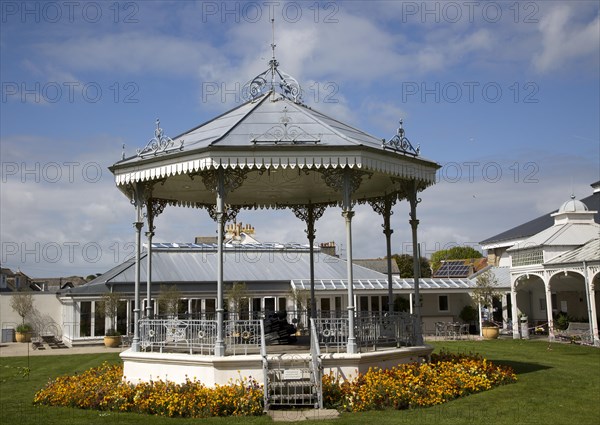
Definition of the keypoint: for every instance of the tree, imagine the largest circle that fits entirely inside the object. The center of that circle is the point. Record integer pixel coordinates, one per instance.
(485, 292)
(237, 297)
(301, 298)
(455, 253)
(22, 304)
(405, 264)
(168, 300)
(110, 302)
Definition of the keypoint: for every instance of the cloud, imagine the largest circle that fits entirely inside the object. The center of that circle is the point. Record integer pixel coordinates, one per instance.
(134, 53)
(566, 40)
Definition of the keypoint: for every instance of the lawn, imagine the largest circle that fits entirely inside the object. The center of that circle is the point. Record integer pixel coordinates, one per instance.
(558, 384)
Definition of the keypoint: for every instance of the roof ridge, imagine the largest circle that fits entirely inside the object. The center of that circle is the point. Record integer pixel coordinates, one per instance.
(229, 111)
(356, 142)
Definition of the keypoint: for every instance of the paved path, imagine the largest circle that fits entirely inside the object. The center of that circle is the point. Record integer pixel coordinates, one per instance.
(16, 349)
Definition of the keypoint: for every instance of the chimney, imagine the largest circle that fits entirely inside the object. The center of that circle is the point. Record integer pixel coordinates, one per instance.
(328, 248)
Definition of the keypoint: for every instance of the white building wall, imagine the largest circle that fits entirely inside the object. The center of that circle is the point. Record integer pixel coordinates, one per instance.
(48, 313)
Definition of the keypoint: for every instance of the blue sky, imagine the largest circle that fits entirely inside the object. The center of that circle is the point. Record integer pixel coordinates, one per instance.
(504, 95)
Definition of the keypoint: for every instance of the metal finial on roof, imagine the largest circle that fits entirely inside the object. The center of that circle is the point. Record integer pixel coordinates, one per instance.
(288, 85)
(159, 143)
(400, 143)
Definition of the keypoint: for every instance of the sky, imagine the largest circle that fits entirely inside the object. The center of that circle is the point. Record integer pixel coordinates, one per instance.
(505, 96)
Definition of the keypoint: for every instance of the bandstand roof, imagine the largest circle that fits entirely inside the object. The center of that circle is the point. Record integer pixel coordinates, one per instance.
(278, 147)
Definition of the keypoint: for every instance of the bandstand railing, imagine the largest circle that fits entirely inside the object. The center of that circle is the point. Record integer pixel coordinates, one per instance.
(246, 335)
(199, 336)
(372, 330)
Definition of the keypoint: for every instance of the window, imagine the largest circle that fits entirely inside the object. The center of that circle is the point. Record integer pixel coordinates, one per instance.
(210, 307)
(270, 304)
(85, 318)
(443, 302)
(364, 303)
(542, 304)
(375, 304)
(122, 317)
(256, 305)
(182, 308)
(99, 316)
(338, 306)
(527, 257)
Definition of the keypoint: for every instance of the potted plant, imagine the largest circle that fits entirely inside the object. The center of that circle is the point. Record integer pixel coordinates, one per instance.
(112, 337)
(23, 332)
(484, 294)
(22, 304)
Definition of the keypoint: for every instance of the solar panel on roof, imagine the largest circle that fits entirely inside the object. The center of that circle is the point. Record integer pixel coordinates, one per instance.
(453, 269)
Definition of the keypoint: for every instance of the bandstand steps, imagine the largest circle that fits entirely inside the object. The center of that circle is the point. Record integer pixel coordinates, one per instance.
(291, 384)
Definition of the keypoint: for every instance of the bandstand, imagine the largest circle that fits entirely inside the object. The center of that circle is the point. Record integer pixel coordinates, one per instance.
(275, 152)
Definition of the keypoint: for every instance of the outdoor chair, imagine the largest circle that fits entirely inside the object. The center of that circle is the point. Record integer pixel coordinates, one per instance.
(440, 329)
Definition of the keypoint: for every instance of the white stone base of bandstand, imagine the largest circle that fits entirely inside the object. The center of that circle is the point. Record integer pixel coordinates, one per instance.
(211, 370)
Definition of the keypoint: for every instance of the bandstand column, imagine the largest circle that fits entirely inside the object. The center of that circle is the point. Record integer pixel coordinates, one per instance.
(153, 208)
(347, 213)
(220, 344)
(310, 214)
(138, 200)
(414, 223)
(149, 236)
(384, 206)
(220, 183)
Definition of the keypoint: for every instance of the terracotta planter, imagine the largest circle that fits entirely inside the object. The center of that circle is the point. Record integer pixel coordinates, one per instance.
(490, 332)
(23, 336)
(112, 341)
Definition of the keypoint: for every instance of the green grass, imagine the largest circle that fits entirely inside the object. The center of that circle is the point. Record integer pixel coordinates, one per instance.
(560, 385)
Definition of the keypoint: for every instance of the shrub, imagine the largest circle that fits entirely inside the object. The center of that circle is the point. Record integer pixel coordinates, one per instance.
(24, 328)
(112, 332)
(562, 321)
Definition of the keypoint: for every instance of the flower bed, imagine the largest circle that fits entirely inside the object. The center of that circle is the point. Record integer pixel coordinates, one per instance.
(406, 386)
(104, 388)
(412, 385)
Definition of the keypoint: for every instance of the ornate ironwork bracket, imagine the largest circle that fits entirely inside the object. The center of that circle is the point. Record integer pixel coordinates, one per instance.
(232, 179)
(159, 144)
(383, 206)
(335, 177)
(309, 213)
(154, 207)
(411, 188)
(229, 214)
(137, 193)
(399, 143)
